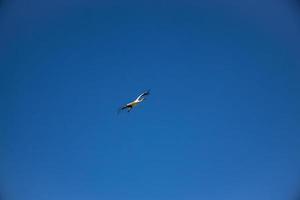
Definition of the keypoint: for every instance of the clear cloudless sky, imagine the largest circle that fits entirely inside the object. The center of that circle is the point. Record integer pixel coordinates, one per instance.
(222, 122)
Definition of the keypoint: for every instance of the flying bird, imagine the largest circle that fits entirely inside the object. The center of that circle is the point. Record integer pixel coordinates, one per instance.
(134, 103)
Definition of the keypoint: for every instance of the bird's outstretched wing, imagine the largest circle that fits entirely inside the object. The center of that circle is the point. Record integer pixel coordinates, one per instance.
(122, 108)
(128, 107)
(143, 95)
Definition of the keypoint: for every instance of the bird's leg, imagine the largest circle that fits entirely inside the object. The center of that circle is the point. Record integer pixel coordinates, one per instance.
(129, 109)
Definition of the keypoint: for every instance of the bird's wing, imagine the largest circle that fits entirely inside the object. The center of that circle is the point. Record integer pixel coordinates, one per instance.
(143, 95)
(122, 108)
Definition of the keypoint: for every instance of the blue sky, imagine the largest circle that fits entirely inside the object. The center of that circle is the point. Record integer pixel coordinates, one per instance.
(222, 121)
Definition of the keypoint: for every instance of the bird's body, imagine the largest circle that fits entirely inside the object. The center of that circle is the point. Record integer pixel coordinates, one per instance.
(134, 103)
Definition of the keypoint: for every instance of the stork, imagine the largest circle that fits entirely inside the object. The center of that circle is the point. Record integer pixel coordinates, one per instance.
(134, 103)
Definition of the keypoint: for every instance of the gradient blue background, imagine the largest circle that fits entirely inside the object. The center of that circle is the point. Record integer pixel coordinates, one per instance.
(222, 123)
